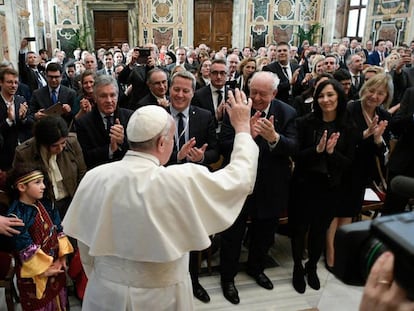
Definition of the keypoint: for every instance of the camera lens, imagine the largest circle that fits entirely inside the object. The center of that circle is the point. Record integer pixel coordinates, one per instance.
(372, 249)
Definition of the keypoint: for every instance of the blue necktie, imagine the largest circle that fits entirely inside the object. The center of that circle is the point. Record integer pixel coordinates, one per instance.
(54, 97)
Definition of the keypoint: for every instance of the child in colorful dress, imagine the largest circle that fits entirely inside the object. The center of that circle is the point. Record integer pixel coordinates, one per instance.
(41, 247)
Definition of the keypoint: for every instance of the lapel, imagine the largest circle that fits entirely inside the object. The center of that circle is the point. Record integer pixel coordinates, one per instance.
(210, 98)
(192, 115)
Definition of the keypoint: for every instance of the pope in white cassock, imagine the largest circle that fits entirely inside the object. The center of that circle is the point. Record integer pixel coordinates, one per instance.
(136, 220)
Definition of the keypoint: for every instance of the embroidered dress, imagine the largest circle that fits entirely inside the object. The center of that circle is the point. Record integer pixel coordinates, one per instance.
(40, 243)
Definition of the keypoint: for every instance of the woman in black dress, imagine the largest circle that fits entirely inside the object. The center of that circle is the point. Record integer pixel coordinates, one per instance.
(371, 118)
(326, 146)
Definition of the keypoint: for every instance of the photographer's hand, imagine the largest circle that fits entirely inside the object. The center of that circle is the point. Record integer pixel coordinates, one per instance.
(381, 292)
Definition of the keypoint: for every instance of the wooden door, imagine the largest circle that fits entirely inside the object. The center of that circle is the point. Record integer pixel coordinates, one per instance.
(111, 28)
(213, 23)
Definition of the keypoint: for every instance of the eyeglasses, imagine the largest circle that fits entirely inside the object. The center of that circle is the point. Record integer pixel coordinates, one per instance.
(53, 77)
(216, 73)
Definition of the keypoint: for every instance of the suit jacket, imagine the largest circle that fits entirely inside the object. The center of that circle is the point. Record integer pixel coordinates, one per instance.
(202, 127)
(200, 83)
(187, 67)
(70, 162)
(374, 58)
(20, 131)
(41, 99)
(103, 71)
(137, 76)
(148, 99)
(409, 76)
(270, 194)
(94, 139)
(402, 125)
(203, 98)
(284, 85)
(26, 74)
(354, 91)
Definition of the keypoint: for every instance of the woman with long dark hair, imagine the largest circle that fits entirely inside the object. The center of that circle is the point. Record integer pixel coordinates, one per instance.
(326, 147)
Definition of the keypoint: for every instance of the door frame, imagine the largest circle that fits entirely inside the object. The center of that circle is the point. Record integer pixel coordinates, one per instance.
(239, 21)
(88, 8)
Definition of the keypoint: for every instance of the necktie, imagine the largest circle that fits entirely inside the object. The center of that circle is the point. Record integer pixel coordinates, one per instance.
(108, 123)
(39, 79)
(54, 97)
(285, 72)
(382, 57)
(356, 81)
(109, 72)
(181, 133)
(263, 114)
(220, 97)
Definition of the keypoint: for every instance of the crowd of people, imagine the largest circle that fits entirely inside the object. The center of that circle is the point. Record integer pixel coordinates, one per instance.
(85, 138)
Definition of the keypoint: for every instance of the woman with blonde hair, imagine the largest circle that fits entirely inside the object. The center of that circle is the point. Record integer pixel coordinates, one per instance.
(246, 69)
(371, 119)
(391, 61)
(261, 62)
(317, 66)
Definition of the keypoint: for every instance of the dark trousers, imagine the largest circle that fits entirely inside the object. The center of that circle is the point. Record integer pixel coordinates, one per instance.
(193, 266)
(316, 239)
(261, 234)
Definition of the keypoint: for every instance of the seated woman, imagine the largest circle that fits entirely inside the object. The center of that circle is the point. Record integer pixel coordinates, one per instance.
(41, 245)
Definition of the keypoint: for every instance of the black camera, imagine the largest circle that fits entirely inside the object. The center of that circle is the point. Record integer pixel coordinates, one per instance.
(358, 245)
(229, 86)
(144, 53)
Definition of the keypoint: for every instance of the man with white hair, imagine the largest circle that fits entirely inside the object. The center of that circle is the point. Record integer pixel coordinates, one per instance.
(136, 220)
(274, 131)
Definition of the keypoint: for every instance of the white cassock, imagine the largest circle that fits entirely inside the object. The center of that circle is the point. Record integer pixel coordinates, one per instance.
(136, 221)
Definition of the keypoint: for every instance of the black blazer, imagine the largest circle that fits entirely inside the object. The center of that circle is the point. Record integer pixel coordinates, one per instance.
(402, 125)
(26, 74)
(148, 99)
(201, 127)
(94, 139)
(271, 190)
(137, 76)
(41, 99)
(20, 131)
(354, 91)
(284, 85)
(203, 98)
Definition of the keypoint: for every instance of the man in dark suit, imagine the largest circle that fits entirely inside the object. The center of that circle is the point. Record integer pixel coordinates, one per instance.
(28, 68)
(157, 82)
(52, 94)
(108, 68)
(378, 56)
(195, 141)
(355, 66)
(101, 132)
(135, 74)
(181, 55)
(211, 97)
(354, 47)
(284, 70)
(274, 131)
(23, 89)
(15, 127)
(401, 159)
